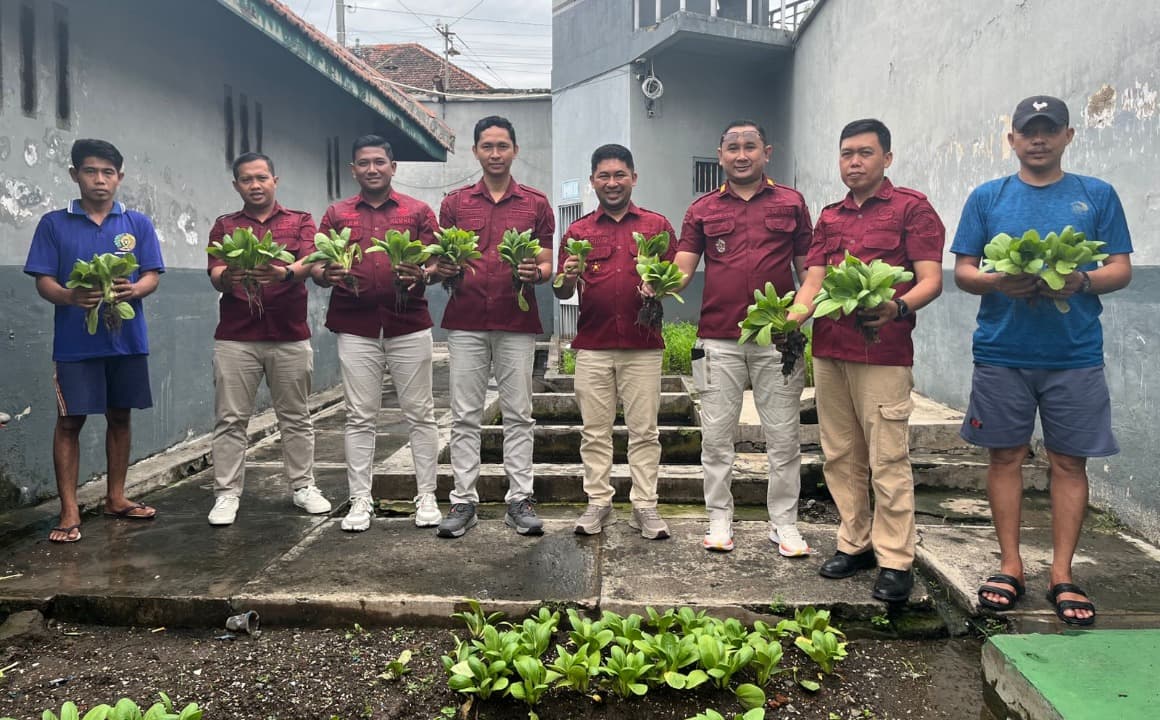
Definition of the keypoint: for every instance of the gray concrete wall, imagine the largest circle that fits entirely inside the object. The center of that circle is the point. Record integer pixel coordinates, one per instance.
(589, 38)
(945, 78)
(159, 97)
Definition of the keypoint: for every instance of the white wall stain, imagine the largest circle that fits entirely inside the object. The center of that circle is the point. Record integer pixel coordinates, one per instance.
(1101, 108)
(1004, 129)
(30, 154)
(188, 228)
(1140, 100)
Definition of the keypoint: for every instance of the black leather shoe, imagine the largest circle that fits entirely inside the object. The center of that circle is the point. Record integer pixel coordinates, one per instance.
(843, 565)
(893, 586)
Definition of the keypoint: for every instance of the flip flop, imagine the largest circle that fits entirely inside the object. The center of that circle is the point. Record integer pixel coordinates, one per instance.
(72, 534)
(127, 513)
(1061, 606)
(1010, 597)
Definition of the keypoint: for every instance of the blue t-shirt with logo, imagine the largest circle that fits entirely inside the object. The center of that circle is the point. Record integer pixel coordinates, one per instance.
(65, 236)
(1016, 333)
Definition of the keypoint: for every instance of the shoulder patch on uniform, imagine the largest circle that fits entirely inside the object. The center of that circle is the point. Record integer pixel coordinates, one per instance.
(909, 191)
(533, 191)
(707, 196)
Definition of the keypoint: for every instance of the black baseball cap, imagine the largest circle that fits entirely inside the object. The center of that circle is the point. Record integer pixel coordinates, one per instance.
(1044, 106)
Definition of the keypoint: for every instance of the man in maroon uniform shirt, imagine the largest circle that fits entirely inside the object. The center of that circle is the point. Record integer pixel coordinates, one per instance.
(488, 334)
(863, 389)
(379, 330)
(616, 359)
(750, 231)
(271, 340)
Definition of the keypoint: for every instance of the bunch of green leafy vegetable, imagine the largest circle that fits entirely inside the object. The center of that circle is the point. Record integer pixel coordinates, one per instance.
(242, 250)
(853, 285)
(579, 248)
(401, 250)
(767, 317)
(663, 276)
(516, 247)
(335, 248)
(100, 273)
(1051, 258)
(459, 247)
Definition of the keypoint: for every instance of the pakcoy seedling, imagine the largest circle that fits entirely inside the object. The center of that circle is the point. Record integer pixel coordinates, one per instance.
(100, 273)
(401, 250)
(242, 250)
(459, 247)
(853, 285)
(662, 276)
(766, 318)
(336, 248)
(516, 247)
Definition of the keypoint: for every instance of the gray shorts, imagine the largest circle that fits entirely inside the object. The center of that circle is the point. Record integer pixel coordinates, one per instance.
(1074, 407)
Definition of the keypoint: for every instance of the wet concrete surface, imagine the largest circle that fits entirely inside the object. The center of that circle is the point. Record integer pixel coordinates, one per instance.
(1120, 572)
(678, 571)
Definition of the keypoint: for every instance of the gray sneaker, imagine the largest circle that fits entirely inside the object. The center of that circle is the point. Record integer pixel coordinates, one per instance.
(458, 520)
(594, 519)
(521, 515)
(649, 522)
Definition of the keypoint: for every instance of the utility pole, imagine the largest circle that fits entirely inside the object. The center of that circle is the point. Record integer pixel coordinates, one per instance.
(340, 22)
(448, 51)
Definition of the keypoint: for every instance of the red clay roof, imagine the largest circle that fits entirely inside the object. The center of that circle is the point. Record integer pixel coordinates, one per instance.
(408, 105)
(413, 64)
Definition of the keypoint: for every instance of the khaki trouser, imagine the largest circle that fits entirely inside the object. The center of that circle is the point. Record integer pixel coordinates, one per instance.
(363, 362)
(238, 369)
(863, 414)
(474, 357)
(633, 376)
(721, 377)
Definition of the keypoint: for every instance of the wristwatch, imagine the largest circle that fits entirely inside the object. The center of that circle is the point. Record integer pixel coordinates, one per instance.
(903, 308)
(289, 274)
(1085, 285)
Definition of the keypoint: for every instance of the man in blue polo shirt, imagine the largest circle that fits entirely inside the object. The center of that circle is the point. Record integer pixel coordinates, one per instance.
(1029, 355)
(106, 372)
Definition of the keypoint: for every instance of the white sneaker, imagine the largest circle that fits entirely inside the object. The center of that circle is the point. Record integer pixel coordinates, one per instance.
(719, 536)
(358, 518)
(789, 541)
(311, 500)
(427, 511)
(225, 509)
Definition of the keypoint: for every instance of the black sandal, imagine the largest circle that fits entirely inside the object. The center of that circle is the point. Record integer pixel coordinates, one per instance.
(1061, 606)
(1010, 597)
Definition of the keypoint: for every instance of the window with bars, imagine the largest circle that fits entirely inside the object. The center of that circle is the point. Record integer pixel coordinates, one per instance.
(568, 214)
(707, 175)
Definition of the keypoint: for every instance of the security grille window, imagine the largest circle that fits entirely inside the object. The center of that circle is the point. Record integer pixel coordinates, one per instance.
(707, 175)
(568, 214)
(244, 121)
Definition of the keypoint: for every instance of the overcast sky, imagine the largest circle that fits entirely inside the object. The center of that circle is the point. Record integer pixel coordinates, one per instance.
(505, 43)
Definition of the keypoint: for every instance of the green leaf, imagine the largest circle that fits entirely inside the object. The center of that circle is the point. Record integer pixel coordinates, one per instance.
(810, 685)
(750, 696)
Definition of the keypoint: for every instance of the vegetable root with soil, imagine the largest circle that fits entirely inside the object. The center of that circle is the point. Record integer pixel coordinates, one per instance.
(663, 276)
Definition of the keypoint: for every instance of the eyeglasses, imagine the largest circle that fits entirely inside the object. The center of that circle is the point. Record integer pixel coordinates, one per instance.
(739, 136)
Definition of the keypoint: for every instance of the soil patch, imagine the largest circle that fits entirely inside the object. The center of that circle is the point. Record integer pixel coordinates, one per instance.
(292, 674)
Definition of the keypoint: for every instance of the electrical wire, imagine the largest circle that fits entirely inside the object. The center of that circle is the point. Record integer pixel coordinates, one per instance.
(435, 15)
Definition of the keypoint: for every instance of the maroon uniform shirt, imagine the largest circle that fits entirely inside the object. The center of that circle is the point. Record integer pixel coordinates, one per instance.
(485, 299)
(897, 225)
(372, 312)
(609, 299)
(745, 244)
(283, 317)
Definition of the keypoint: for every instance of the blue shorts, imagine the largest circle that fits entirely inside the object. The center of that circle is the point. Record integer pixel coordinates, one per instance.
(1074, 407)
(92, 387)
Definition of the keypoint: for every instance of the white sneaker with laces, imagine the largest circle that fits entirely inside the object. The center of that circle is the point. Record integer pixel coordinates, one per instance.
(225, 509)
(789, 541)
(427, 511)
(311, 500)
(358, 518)
(719, 536)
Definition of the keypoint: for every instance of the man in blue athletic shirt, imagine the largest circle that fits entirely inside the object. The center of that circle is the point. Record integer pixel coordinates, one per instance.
(1029, 355)
(105, 373)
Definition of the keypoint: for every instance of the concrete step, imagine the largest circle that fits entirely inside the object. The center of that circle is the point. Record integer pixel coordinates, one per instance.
(683, 483)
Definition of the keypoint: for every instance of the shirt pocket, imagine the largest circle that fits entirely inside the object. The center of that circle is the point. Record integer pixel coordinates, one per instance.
(598, 264)
(715, 227)
(471, 222)
(882, 238)
(780, 224)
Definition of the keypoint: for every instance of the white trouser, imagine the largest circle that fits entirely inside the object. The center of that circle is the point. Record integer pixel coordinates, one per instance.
(238, 369)
(474, 357)
(363, 362)
(721, 378)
